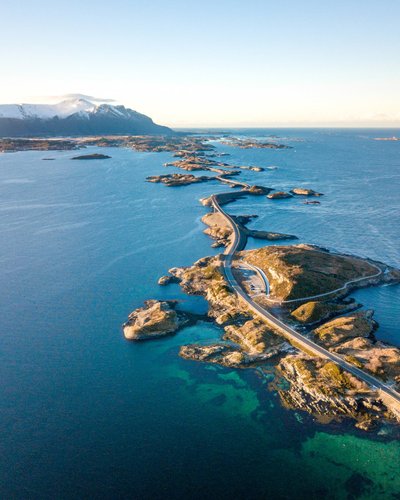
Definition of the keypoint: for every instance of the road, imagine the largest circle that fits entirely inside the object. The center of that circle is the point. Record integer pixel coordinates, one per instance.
(264, 278)
(236, 244)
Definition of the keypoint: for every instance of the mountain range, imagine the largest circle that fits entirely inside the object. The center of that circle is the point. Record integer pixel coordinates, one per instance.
(77, 116)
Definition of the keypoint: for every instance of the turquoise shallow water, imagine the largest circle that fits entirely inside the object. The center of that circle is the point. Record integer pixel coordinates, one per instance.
(86, 414)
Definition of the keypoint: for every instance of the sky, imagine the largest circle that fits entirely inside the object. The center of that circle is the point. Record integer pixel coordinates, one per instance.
(210, 63)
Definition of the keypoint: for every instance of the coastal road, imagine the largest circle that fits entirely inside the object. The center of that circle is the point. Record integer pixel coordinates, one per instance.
(237, 243)
(265, 281)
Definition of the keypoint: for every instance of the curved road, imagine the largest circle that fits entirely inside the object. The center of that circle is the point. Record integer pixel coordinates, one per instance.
(264, 278)
(237, 243)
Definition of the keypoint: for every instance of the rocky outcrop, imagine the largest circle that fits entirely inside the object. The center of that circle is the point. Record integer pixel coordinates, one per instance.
(13, 145)
(321, 388)
(257, 190)
(167, 280)
(380, 359)
(155, 319)
(190, 161)
(279, 195)
(317, 311)
(221, 354)
(177, 143)
(94, 156)
(305, 192)
(269, 236)
(338, 330)
(218, 229)
(252, 143)
(178, 179)
(205, 278)
(254, 336)
(221, 231)
(223, 198)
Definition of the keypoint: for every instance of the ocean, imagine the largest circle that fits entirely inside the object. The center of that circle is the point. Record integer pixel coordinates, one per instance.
(86, 414)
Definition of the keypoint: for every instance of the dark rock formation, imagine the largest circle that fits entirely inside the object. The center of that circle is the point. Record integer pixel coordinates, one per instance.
(94, 156)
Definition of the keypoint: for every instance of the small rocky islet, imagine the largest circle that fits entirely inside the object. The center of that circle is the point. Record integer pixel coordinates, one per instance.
(93, 156)
(155, 319)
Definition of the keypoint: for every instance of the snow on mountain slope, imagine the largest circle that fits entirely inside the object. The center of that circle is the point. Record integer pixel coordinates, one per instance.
(45, 111)
(76, 115)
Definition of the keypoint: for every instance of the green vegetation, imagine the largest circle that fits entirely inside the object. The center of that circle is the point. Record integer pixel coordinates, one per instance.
(298, 271)
(353, 360)
(316, 311)
(333, 373)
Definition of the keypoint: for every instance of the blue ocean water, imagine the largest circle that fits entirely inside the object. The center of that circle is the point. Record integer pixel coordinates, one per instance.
(86, 414)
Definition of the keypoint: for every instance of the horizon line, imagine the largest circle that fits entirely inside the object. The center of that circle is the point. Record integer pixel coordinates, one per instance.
(287, 126)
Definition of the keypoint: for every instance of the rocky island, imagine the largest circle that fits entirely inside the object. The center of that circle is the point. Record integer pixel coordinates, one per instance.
(93, 156)
(305, 192)
(279, 195)
(301, 271)
(178, 179)
(251, 143)
(155, 319)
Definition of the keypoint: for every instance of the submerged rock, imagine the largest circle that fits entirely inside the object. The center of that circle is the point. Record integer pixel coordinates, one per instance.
(155, 319)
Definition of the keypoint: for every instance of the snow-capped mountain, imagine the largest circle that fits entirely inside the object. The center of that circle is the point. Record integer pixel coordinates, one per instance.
(74, 116)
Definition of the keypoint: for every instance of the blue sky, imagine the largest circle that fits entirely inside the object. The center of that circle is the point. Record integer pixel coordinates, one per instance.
(285, 62)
